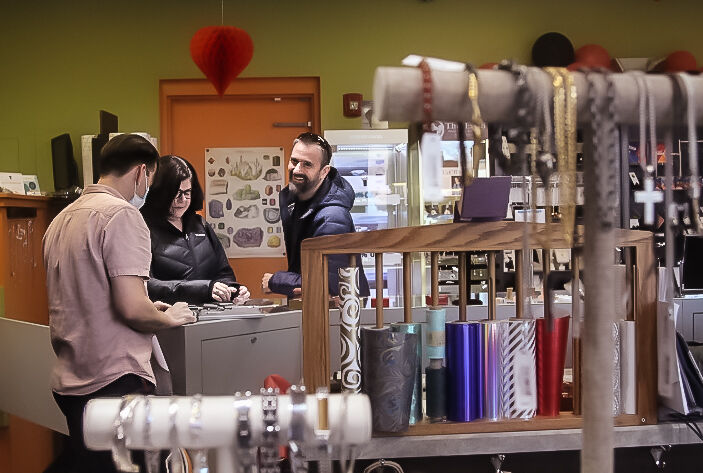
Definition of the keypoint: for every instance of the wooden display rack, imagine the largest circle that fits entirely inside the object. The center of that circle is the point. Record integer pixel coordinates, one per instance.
(488, 236)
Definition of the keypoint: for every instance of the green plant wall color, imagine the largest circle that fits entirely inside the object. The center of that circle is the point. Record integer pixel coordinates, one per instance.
(61, 62)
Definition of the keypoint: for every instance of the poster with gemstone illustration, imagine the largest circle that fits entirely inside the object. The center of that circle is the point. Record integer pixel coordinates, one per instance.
(241, 195)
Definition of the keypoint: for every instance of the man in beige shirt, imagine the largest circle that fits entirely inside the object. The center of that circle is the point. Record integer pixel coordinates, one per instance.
(97, 255)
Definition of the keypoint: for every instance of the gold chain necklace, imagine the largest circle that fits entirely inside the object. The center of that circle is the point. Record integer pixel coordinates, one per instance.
(565, 140)
(477, 151)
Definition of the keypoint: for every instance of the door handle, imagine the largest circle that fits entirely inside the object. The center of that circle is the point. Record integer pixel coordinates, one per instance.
(292, 124)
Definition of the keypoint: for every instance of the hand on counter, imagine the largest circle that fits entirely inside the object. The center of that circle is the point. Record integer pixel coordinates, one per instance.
(243, 295)
(162, 306)
(221, 292)
(180, 314)
(265, 283)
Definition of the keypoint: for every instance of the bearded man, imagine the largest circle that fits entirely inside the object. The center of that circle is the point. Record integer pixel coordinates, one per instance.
(316, 202)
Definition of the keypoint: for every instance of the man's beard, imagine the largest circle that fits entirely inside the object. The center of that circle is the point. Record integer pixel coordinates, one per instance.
(298, 188)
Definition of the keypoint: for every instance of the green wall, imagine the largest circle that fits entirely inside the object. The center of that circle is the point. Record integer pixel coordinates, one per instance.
(62, 61)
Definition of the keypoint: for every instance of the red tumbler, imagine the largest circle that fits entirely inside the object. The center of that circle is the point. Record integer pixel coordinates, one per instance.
(551, 354)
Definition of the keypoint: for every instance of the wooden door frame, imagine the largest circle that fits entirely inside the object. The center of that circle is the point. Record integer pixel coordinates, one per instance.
(172, 90)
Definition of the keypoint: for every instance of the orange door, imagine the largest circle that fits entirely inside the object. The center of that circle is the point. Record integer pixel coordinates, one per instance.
(253, 113)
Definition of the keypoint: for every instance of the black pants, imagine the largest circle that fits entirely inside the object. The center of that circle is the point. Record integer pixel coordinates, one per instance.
(89, 461)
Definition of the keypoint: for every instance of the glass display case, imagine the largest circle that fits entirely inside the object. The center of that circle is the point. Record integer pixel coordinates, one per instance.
(425, 212)
(422, 211)
(374, 162)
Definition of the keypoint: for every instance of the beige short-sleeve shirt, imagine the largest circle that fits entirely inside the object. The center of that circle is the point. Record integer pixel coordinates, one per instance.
(97, 237)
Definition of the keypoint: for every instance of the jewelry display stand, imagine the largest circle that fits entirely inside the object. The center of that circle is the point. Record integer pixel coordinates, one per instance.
(398, 96)
(600, 102)
(163, 423)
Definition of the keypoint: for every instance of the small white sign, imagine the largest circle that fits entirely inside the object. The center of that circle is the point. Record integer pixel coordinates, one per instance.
(431, 156)
(539, 215)
(525, 380)
(31, 184)
(12, 182)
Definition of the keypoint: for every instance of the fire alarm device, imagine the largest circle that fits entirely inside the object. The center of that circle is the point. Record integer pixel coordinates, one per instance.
(352, 105)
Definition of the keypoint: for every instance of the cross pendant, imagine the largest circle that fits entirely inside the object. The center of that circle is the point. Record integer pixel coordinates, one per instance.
(649, 197)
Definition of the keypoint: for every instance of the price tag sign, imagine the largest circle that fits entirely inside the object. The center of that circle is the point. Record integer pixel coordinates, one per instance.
(431, 150)
(525, 380)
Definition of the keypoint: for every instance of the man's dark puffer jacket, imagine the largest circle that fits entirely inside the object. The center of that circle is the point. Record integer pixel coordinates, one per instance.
(327, 213)
(185, 265)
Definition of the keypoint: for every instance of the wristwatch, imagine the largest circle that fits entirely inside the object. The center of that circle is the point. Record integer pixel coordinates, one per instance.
(298, 428)
(246, 454)
(269, 445)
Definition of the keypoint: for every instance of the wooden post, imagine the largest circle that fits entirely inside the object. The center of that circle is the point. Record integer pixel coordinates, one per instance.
(316, 322)
(491, 260)
(462, 286)
(546, 293)
(434, 278)
(646, 333)
(379, 290)
(407, 288)
(576, 328)
(631, 281)
(520, 291)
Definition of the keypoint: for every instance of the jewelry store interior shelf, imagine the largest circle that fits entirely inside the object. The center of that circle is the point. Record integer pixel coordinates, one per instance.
(484, 237)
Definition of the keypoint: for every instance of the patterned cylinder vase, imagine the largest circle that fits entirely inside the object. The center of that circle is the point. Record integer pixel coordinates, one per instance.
(350, 312)
(519, 387)
(388, 367)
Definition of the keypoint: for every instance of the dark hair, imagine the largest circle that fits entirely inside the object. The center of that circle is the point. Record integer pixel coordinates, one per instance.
(125, 151)
(173, 170)
(309, 138)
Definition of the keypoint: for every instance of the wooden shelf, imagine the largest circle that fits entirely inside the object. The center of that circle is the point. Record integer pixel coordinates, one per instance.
(566, 420)
(483, 237)
(19, 200)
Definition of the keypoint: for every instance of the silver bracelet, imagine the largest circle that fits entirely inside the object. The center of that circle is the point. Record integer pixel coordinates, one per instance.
(246, 453)
(151, 457)
(174, 461)
(322, 431)
(269, 445)
(298, 429)
(200, 463)
(121, 456)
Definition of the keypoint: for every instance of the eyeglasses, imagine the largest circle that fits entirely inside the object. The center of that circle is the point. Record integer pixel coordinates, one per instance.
(183, 194)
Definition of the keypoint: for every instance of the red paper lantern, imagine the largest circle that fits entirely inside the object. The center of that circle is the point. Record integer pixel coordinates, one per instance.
(593, 55)
(222, 53)
(680, 61)
(488, 65)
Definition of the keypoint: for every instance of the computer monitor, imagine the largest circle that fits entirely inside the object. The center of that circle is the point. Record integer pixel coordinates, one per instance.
(108, 123)
(64, 164)
(691, 274)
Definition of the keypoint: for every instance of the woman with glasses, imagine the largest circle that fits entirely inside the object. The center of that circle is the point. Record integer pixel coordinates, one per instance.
(188, 262)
